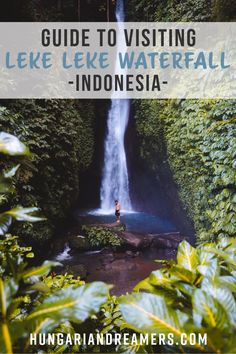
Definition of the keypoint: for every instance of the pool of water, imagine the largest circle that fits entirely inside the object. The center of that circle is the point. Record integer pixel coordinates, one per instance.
(135, 221)
(116, 267)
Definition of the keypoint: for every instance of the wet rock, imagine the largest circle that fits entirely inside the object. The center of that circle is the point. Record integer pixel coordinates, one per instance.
(132, 254)
(77, 270)
(136, 240)
(79, 243)
(167, 240)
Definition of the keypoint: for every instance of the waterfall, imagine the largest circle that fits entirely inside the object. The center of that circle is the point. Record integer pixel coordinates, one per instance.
(64, 255)
(115, 180)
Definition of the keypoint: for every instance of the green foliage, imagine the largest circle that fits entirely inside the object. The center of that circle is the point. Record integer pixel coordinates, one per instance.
(150, 131)
(224, 10)
(195, 294)
(57, 10)
(41, 311)
(11, 254)
(170, 10)
(199, 136)
(100, 236)
(11, 145)
(185, 10)
(73, 304)
(59, 281)
(111, 316)
(31, 300)
(59, 134)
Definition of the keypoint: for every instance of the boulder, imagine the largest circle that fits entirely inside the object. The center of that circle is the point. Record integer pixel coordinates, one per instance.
(167, 240)
(132, 254)
(136, 241)
(79, 243)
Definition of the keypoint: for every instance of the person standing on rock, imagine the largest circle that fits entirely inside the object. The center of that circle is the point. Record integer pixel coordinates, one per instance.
(117, 211)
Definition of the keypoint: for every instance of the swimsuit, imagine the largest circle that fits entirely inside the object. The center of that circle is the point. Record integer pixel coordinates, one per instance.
(117, 213)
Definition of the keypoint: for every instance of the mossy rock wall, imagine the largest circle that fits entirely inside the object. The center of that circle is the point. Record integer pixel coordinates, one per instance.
(199, 137)
(60, 134)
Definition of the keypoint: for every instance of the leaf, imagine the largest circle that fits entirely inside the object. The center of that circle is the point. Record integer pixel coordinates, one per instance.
(30, 255)
(7, 290)
(163, 285)
(40, 287)
(11, 173)
(20, 329)
(74, 304)
(5, 223)
(5, 185)
(15, 306)
(144, 285)
(182, 274)
(33, 275)
(205, 260)
(158, 278)
(5, 339)
(23, 214)
(11, 145)
(223, 295)
(230, 258)
(213, 270)
(186, 289)
(149, 313)
(210, 309)
(228, 281)
(187, 256)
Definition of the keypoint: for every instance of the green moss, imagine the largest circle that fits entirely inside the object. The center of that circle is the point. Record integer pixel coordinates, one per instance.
(60, 134)
(184, 10)
(169, 10)
(200, 138)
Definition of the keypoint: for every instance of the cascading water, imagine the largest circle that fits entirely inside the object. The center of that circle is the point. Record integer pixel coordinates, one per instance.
(115, 181)
(64, 255)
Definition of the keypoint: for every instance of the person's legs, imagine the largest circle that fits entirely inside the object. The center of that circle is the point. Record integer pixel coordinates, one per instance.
(117, 216)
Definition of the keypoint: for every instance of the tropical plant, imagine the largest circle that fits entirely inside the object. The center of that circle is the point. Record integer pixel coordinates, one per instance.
(195, 294)
(100, 236)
